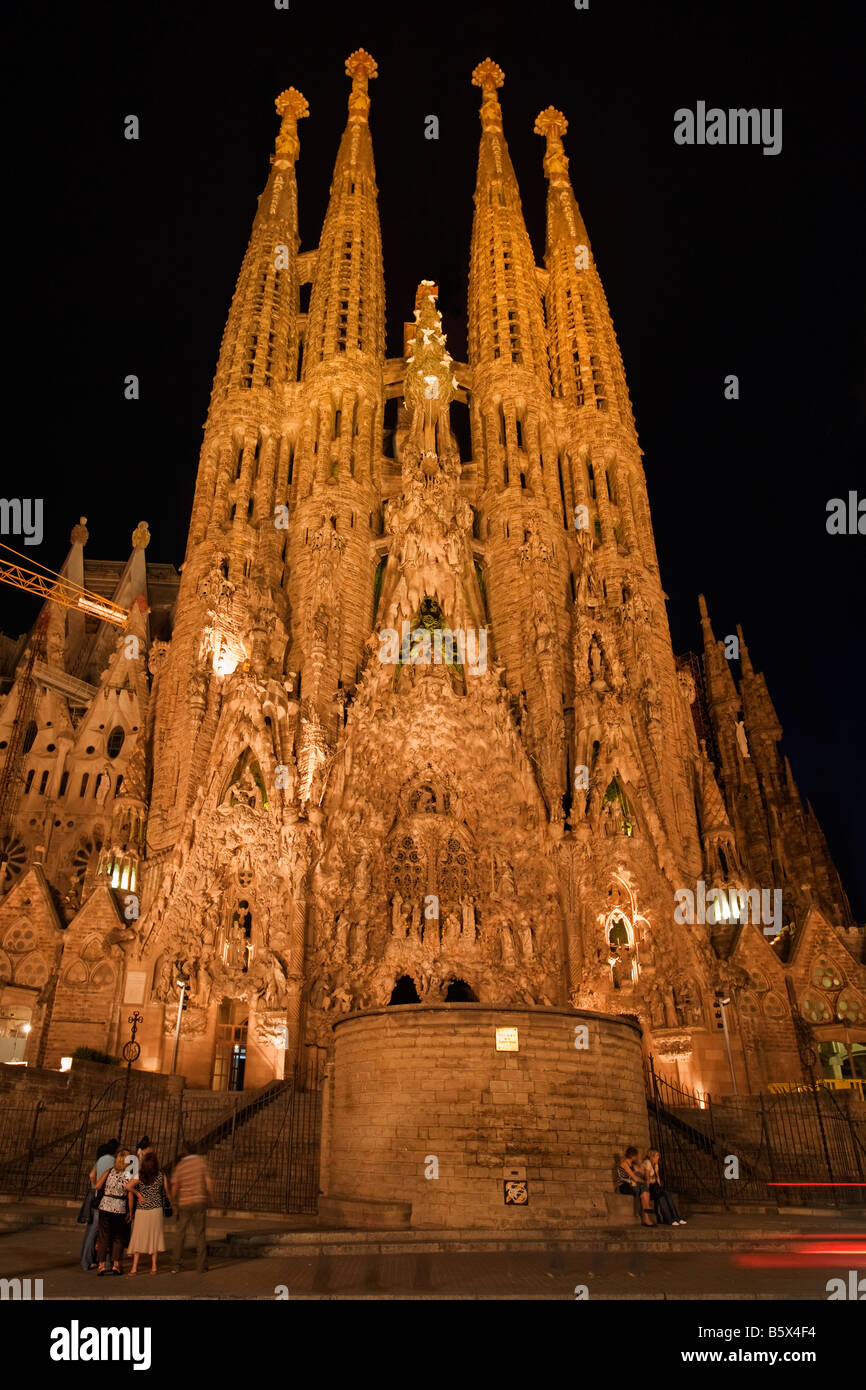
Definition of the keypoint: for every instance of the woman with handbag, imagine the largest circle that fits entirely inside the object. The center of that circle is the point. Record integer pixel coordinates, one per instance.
(148, 1190)
(664, 1203)
(113, 1214)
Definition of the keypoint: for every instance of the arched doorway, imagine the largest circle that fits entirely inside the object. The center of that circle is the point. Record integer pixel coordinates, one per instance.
(458, 992)
(404, 992)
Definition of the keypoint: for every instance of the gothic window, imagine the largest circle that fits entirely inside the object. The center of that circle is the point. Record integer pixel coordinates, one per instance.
(43, 783)
(20, 938)
(82, 790)
(621, 959)
(825, 975)
(81, 860)
(29, 736)
(455, 870)
(32, 971)
(774, 1007)
(597, 529)
(591, 476)
(12, 856)
(103, 976)
(76, 974)
(116, 741)
(849, 1007)
(29, 781)
(409, 869)
(815, 1008)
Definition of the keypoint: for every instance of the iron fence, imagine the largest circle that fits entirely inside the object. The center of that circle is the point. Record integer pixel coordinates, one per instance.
(262, 1147)
(788, 1148)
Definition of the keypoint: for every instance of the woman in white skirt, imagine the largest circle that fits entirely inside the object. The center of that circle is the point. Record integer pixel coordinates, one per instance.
(148, 1190)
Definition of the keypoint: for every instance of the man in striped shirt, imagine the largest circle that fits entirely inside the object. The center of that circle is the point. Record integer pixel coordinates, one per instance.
(191, 1191)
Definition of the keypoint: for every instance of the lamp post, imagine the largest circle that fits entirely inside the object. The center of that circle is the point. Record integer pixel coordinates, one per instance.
(722, 1002)
(183, 983)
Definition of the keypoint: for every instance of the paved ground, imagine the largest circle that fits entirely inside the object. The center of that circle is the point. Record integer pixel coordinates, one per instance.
(51, 1252)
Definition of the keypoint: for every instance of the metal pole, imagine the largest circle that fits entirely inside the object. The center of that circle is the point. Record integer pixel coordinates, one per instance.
(84, 1128)
(716, 1154)
(123, 1106)
(728, 1046)
(228, 1195)
(177, 1030)
(30, 1147)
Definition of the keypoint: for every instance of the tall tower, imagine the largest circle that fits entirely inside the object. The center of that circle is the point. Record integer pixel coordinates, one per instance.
(334, 496)
(232, 607)
(519, 508)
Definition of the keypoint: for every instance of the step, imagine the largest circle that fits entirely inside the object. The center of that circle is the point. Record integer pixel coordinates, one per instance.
(691, 1239)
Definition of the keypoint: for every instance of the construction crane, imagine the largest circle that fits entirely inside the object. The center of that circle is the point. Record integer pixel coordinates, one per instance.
(57, 588)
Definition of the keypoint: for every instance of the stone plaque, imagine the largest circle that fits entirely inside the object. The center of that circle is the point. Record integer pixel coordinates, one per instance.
(506, 1040)
(135, 985)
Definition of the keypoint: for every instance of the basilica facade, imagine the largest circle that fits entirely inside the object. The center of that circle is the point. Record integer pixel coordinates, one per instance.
(408, 728)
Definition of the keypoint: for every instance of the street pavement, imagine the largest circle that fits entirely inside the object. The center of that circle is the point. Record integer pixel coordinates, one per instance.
(50, 1252)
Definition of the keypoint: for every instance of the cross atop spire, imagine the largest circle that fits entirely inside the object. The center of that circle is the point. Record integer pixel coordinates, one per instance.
(361, 66)
(488, 76)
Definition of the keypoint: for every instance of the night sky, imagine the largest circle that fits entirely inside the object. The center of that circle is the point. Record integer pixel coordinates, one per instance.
(715, 260)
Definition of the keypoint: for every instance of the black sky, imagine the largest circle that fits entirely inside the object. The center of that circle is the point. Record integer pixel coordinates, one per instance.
(715, 260)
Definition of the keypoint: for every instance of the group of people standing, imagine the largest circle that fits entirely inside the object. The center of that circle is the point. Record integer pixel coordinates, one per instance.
(641, 1177)
(130, 1199)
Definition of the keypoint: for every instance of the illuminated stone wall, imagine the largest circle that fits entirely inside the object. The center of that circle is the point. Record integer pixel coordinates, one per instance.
(419, 1083)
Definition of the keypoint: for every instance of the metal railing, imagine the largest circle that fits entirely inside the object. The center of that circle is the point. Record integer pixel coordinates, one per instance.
(262, 1147)
(785, 1147)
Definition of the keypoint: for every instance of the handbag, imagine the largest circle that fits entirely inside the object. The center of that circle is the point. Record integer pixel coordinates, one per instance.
(88, 1207)
(167, 1208)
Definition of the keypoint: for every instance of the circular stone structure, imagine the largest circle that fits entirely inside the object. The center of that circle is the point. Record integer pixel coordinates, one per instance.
(427, 1110)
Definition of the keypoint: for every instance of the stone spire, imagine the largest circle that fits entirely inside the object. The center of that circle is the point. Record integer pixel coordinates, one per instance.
(585, 361)
(259, 346)
(347, 305)
(506, 322)
(337, 464)
(259, 350)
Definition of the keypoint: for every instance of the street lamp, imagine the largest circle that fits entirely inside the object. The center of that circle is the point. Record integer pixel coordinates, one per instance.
(183, 985)
(722, 1002)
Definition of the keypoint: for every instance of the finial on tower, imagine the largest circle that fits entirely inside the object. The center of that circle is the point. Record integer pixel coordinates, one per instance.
(292, 106)
(488, 76)
(79, 534)
(141, 536)
(361, 66)
(552, 125)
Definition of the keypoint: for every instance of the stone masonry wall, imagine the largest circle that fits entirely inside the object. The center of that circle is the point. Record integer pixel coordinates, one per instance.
(418, 1081)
